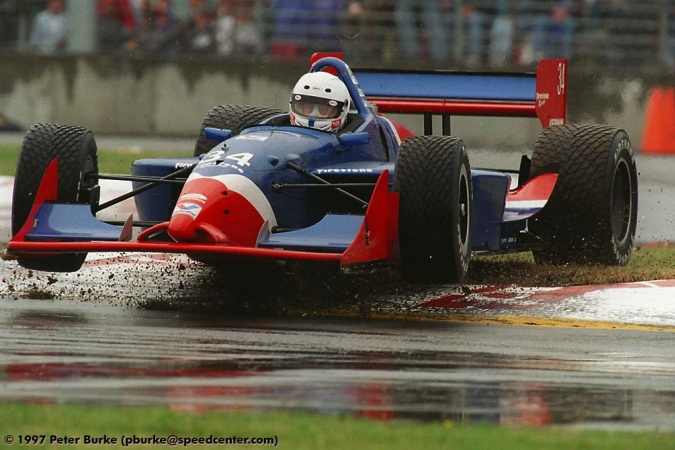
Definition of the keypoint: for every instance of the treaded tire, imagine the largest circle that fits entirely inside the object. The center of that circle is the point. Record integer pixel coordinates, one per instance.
(591, 216)
(231, 117)
(75, 150)
(433, 178)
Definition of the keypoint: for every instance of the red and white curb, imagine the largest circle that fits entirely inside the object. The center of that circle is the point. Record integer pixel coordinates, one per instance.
(639, 303)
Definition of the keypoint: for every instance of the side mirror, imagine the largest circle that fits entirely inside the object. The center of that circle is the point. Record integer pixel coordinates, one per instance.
(216, 134)
(347, 139)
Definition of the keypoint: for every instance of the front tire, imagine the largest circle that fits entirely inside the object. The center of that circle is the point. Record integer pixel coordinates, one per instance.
(591, 216)
(433, 178)
(75, 150)
(230, 117)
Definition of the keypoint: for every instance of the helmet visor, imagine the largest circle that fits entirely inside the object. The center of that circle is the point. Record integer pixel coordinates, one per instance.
(317, 107)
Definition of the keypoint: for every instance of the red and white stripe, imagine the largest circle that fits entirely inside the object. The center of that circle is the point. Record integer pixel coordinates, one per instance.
(226, 208)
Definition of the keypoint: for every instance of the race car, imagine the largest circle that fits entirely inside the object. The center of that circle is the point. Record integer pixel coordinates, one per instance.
(261, 185)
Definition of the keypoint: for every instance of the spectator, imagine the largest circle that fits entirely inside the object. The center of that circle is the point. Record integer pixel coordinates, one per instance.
(115, 24)
(225, 27)
(164, 8)
(121, 12)
(561, 31)
(199, 34)
(139, 9)
(474, 32)
(424, 20)
(545, 30)
(502, 35)
(531, 30)
(236, 31)
(49, 28)
(325, 20)
(291, 26)
(369, 29)
(165, 27)
(154, 33)
(144, 18)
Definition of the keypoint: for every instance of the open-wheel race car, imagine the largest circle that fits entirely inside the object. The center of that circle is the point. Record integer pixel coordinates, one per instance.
(260, 186)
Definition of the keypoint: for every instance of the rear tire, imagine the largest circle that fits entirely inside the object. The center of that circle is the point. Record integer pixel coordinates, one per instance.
(433, 178)
(75, 150)
(231, 117)
(591, 216)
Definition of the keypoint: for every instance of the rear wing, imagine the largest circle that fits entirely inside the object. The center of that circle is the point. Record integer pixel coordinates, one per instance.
(542, 94)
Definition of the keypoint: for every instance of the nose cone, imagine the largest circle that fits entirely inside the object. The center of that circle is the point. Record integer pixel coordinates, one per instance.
(228, 208)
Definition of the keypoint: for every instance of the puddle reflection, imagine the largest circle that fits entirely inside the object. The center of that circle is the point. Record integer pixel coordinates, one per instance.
(375, 394)
(61, 352)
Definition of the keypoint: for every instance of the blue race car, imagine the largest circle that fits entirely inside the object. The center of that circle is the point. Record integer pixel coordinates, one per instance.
(334, 180)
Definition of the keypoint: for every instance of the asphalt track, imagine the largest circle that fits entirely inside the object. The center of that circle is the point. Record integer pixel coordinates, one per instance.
(67, 351)
(152, 329)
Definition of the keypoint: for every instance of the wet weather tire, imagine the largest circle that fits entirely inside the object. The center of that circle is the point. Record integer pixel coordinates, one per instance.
(433, 179)
(591, 216)
(75, 150)
(231, 117)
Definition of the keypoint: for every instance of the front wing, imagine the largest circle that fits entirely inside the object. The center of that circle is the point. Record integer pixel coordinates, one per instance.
(351, 240)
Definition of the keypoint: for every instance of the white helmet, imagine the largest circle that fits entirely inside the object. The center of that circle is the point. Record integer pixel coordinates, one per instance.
(319, 100)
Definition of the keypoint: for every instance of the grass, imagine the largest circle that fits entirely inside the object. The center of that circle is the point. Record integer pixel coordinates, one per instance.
(8, 156)
(116, 160)
(119, 161)
(299, 430)
(646, 263)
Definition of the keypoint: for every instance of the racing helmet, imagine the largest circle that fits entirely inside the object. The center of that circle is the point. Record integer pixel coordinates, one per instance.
(319, 100)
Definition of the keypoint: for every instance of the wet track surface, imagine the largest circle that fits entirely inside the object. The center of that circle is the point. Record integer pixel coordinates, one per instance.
(162, 330)
(64, 351)
(166, 331)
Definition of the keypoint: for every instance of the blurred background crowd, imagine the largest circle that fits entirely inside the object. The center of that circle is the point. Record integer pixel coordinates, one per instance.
(448, 33)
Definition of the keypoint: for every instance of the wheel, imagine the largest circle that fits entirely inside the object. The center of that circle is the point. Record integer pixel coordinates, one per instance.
(433, 179)
(75, 149)
(591, 216)
(233, 118)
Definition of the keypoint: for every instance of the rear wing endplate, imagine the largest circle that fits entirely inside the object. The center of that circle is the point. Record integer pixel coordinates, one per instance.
(542, 94)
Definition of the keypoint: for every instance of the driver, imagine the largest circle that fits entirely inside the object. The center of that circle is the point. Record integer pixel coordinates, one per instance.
(321, 101)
